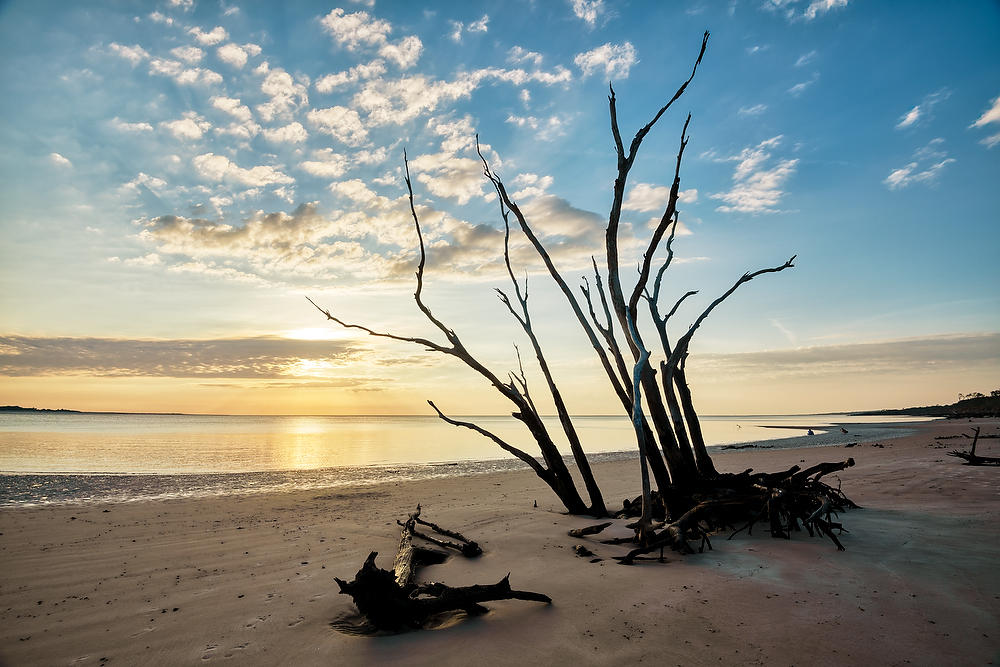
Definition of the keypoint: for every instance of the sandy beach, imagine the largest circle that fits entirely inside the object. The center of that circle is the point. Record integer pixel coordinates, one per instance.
(249, 579)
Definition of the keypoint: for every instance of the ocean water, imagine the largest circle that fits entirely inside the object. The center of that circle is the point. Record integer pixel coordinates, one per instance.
(60, 457)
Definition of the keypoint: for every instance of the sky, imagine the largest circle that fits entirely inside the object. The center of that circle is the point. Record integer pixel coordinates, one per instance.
(176, 177)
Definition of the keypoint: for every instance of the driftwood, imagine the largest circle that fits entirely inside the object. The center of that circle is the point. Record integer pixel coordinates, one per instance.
(393, 601)
(971, 458)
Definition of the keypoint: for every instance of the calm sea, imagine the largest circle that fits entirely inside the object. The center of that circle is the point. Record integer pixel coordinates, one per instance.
(59, 457)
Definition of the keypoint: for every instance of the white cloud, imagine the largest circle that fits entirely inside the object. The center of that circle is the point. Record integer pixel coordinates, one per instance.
(909, 118)
(923, 111)
(59, 160)
(445, 175)
(211, 38)
(120, 125)
(147, 181)
(293, 133)
(186, 77)
(159, 17)
(219, 168)
(233, 107)
(925, 166)
(800, 87)
(805, 59)
(185, 5)
(400, 100)
(340, 122)
(649, 197)
(357, 29)
(233, 55)
(286, 95)
(458, 27)
(755, 110)
(819, 7)
(991, 115)
(189, 54)
(545, 129)
(404, 53)
(191, 127)
(614, 59)
(329, 82)
(518, 56)
(588, 10)
(757, 180)
(134, 54)
(532, 185)
(252, 49)
(325, 164)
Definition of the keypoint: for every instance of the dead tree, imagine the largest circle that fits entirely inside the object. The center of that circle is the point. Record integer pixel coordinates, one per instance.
(668, 432)
(971, 458)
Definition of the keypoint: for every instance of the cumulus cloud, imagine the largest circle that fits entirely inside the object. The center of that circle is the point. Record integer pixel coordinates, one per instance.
(219, 168)
(757, 180)
(405, 53)
(210, 38)
(648, 197)
(189, 54)
(258, 357)
(233, 55)
(925, 166)
(520, 56)
(588, 10)
(532, 185)
(182, 75)
(122, 126)
(286, 95)
(819, 7)
(458, 27)
(989, 117)
(362, 72)
(293, 133)
(134, 54)
(325, 164)
(354, 30)
(191, 127)
(233, 107)
(614, 59)
(341, 123)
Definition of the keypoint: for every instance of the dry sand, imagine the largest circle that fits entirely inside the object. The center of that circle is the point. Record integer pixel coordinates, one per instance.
(249, 579)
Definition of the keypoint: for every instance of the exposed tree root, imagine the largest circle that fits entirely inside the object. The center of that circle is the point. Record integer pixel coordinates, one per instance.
(788, 501)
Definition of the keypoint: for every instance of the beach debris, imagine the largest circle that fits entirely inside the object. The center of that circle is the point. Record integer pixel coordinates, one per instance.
(589, 530)
(394, 601)
(971, 458)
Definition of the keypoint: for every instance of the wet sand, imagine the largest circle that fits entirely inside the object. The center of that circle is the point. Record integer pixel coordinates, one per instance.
(249, 579)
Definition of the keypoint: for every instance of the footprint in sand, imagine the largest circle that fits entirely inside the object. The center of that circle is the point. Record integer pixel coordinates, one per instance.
(208, 651)
(252, 625)
(141, 632)
(300, 619)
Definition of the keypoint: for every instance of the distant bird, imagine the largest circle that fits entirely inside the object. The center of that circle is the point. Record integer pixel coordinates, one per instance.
(810, 432)
(843, 430)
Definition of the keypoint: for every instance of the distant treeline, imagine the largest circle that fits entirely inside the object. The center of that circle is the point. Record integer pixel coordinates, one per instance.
(18, 408)
(969, 405)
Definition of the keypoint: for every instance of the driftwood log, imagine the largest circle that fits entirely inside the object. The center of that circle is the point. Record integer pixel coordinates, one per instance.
(971, 458)
(394, 601)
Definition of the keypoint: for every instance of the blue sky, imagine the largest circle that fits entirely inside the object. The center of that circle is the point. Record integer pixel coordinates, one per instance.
(176, 176)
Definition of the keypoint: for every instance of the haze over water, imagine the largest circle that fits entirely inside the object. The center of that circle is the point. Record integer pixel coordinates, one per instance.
(205, 444)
